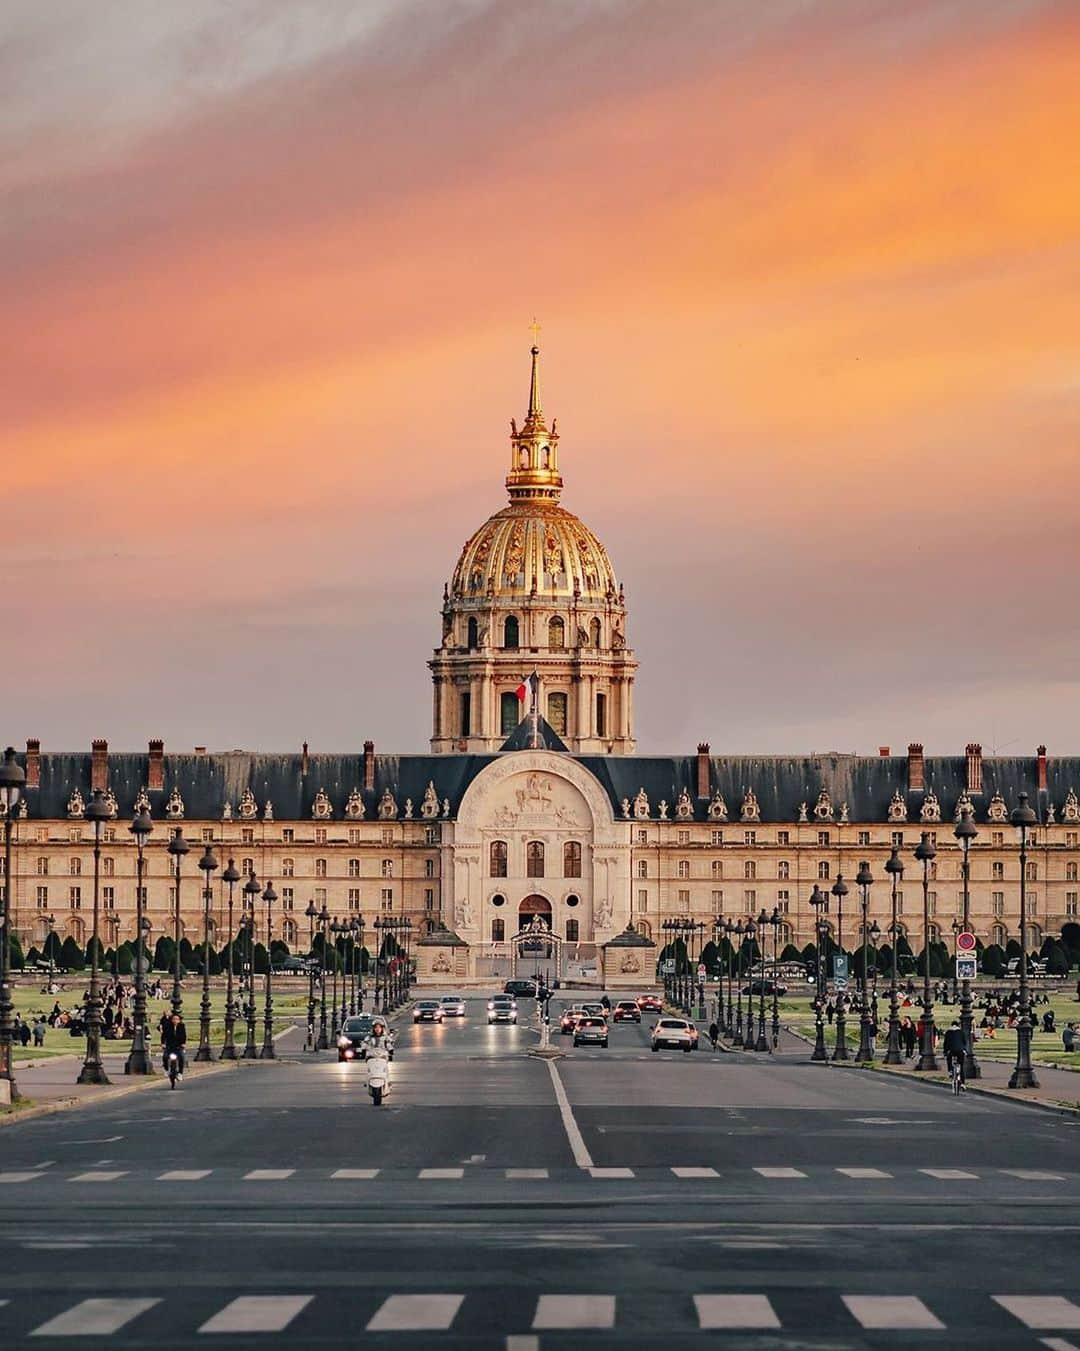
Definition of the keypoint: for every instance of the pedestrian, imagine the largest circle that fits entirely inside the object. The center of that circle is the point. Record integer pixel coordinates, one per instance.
(829, 1011)
(39, 1030)
(907, 1037)
(1068, 1037)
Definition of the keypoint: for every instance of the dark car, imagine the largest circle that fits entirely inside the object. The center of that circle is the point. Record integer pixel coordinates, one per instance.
(755, 987)
(428, 1011)
(522, 989)
(353, 1034)
(627, 1011)
(295, 966)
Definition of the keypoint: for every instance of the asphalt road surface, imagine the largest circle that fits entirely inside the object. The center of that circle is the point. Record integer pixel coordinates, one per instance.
(617, 1198)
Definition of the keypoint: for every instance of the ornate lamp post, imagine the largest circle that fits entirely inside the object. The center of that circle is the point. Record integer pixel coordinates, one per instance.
(718, 934)
(750, 934)
(138, 1061)
(346, 970)
(177, 848)
(864, 879)
(312, 914)
(406, 973)
(818, 901)
(352, 965)
(1023, 1076)
(93, 1071)
(251, 895)
(335, 929)
(323, 1043)
(840, 890)
(738, 1040)
(208, 864)
(875, 938)
(269, 896)
(360, 963)
(12, 782)
(762, 1043)
(230, 877)
(894, 866)
(965, 832)
(380, 974)
(926, 853)
(775, 922)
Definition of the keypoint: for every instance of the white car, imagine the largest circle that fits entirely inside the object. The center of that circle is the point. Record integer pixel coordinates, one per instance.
(674, 1033)
(427, 1011)
(453, 1006)
(502, 1008)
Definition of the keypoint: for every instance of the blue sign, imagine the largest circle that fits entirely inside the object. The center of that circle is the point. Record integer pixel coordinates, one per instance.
(840, 970)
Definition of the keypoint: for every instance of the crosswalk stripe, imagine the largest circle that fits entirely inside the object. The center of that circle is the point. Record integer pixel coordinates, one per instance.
(950, 1174)
(779, 1172)
(94, 1317)
(269, 1174)
(356, 1174)
(1042, 1311)
(441, 1174)
(1033, 1175)
(611, 1172)
(554, 1312)
(735, 1311)
(98, 1176)
(415, 1313)
(522, 1342)
(695, 1172)
(891, 1311)
(184, 1175)
(527, 1174)
(1058, 1344)
(257, 1313)
(19, 1177)
(864, 1172)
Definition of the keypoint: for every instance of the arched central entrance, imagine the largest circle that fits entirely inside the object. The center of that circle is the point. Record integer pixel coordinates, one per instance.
(534, 906)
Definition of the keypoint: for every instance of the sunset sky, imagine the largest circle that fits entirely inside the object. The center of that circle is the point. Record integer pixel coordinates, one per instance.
(809, 282)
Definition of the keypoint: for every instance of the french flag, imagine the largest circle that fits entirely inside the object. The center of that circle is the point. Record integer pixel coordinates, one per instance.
(528, 688)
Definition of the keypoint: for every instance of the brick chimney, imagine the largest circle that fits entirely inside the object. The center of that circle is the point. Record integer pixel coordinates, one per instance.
(369, 766)
(1040, 765)
(973, 752)
(305, 763)
(883, 752)
(99, 765)
(703, 769)
(155, 774)
(916, 769)
(33, 763)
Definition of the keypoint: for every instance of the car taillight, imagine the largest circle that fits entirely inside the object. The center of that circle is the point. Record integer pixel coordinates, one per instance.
(349, 1053)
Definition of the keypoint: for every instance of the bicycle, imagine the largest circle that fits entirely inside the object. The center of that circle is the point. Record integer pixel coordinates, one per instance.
(956, 1076)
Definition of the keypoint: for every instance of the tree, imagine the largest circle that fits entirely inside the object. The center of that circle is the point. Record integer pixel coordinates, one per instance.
(188, 958)
(95, 942)
(993, 961)
(710, 958)
(125, 959)
(1057, 961)
(71, 955)
(216, 963)
(15, 953)
(791, 953)
(34, 955)
(260, 959)
(1012, 948)
(279, 950)
(53, 948)
(164, 953)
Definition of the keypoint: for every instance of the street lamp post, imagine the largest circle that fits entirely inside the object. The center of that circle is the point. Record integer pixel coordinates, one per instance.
(269, 896)
(750, 934)
(251, 895)
(1023, 1076)
(177, 848)
(323, 1043)
(360, 938)
(230, 877)
(208, 864)
(926, 853)
(335, 929)
(840, 1051)
(352, 965)
(738, 1040)
(775, 921)
(138, 1061)
(864, 879)
(12, 782)
(312, 1038)
(762, 1043)
(718, 934)
(875, 938)
(894, 866)
(818, 902)
(93, 1071)
(406, 970)
(965, 832)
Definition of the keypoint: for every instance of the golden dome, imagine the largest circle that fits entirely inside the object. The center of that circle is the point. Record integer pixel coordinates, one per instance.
(534, 547)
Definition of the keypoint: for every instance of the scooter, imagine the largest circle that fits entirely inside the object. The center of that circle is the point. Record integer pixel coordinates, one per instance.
(378, 1075)
(173, 1062)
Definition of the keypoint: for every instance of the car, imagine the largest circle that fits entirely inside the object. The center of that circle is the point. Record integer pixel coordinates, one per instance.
(755, 987)
(650, 1003)
(522, 989)
(677, 1034)
(569, 1017)
(453, 1006)
(427, 1011)
(350, 1042)
(627, 1011)
(295, 966)
(595, 1011)
(591, 1032)
(502, 1008)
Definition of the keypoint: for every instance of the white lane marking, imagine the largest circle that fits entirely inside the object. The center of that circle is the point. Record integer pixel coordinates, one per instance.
(610, 1172)
(441, 1174)
(356, 1174)
(184, 1175)
(735, 1311)
(527, 1174)
(268, 1174)
(1042, 1311)
(574, 1311)
(950, 1174)
(98, 1177)
(863, 1172)
(779, 1172)
(415, 1313)
(891, 1311)
(1057, 1344)
(1033, 1175)
(695, 1172)
(578, 1148)
(47, 1164)
(100, 1140)
(257, 1313)
(18, 1177)
(94, 1318)
(522, 1343)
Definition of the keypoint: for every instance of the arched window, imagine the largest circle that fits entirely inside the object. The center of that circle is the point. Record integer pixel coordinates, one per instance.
(474, 634)
(556, 712)
(545, 457)
(571, 856)
(556, 634)
(498, 858)
(289, 932)
(644, 928)
(509, 711)
(572, 930)
(510, 632)
(534, 859)
(498, 929)
(594, 633)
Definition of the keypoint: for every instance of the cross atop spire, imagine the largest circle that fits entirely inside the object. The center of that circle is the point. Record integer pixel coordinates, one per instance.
(536, 413)
(534, 453)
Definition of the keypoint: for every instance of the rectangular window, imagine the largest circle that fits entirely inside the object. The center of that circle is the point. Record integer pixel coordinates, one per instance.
(429, 898)
(510, 711)
(1032, 872)
(864, 837)
(108, 897)
(749, 870)
(247, 866)
(718, 837)
(783, 900)
(75, 897)
(783, 870)
(75, 834)
(717, 901)
(643, 837)
(601, 715)
(247, 834)
(429, 867)
(898, 839)
(387, 836)
(42, 835)
(320, 896)
(684, 867)
(749, 900)
(466, 715)
(74, 867)
(556, 714)
(320, 834)
(899, 902)
(287, 898)
(432, 834)
(823, 839)
(108, 867)
(931, 902)
(287, 867)
(684, 900)
(749, 837)
(683, 837)
(783, 837)
(643, 867)
(933, 837)
(997, 872)
(386, 867)
(288, 835)
(642, 901)
(208, 834)
(1070, 903)
(354, 898)
(717, 867)
(823, 871)
(1072, 838)
(320, 867)
(42, 866)
(354, 867)
(354, 834)
(386, 898)
(43, 898)
(108, 835)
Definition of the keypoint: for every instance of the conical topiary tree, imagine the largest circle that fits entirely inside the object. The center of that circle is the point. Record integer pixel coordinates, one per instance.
(71, 955)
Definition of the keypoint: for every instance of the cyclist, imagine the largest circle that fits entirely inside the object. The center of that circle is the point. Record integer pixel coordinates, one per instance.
(714, 1035)
(174, 1038)
(955, 1049)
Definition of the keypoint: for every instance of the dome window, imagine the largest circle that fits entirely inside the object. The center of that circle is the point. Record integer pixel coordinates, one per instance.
(473, 635)
(498, 900)
(509, 712)
(556, 712)
(498, 858)
(510, 634)
(571, 902)
(498, 930)
(594, 633)
(556, 634)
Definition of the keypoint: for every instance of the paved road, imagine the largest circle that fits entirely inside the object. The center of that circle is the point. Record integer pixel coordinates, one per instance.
(619, 1199)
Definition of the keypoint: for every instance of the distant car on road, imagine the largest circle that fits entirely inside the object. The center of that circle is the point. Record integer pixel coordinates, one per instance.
(754, 987)
(569, 1017)
(627, 1011)
(591, 1032)
(676, 1034)
(350, 1044)
(521, 989)
(295, 966)
(502, 1008)
(453, 1006)
(650, 1003)
(427, 1011)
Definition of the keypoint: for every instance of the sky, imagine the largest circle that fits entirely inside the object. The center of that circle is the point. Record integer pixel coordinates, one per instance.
(808, 275)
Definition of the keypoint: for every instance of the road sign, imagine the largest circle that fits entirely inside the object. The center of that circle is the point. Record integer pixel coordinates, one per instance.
(701, 971)
(965, 942)
(840, 970)
(966, 968)
(667, 966)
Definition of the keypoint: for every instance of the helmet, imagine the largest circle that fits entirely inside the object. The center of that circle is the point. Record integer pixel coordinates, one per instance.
(378, 1025)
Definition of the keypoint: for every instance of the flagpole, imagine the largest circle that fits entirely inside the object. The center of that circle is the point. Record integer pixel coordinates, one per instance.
(535, 683)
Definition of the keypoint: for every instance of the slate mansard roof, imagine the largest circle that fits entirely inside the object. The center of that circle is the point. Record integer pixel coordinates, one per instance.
(781, 784)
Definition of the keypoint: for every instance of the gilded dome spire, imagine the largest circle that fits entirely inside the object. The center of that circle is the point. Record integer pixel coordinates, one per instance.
(534, 451)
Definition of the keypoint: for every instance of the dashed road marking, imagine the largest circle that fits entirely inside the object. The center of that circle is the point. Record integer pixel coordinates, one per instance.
(94, 1318)
(415, 1313)
(780, 1172)
(556, 1312)
(355, 1174)
(864, 1172)
(695, 1172)
(610, 1172)
(257, 1313)
(950, 1174)
(98, 1176)
(184, 1175)
(735, 1311)
(1042, 1311)
(882, 1312)
(269, 1174)
(441, 1174)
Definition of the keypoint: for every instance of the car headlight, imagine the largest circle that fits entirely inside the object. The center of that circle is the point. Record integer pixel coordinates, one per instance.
(490, 1007)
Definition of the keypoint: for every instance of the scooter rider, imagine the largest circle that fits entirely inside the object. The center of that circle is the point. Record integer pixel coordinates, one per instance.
(174, 1038)
(380, 1040)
